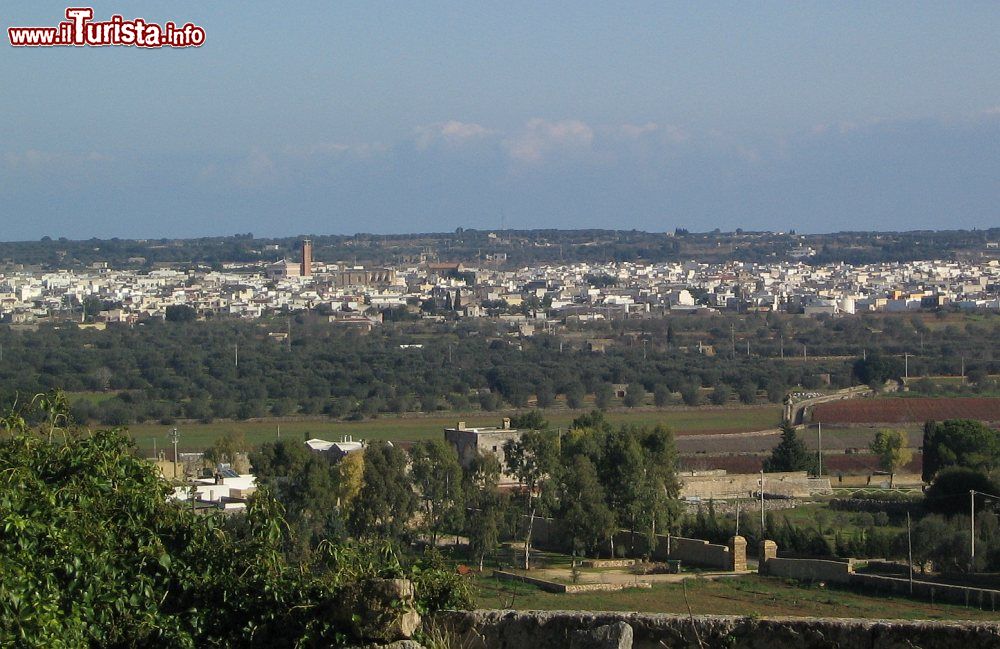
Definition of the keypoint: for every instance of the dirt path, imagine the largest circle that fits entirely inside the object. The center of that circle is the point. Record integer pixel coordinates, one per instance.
(623, 576)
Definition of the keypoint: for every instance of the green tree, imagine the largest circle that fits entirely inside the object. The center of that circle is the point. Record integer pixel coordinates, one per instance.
(661, 395)
(603, 395)
(531, 459)
(747, 392)
(486, 507)
(95, 553)
(306, 484)
(350, 471)
(890, 447)
(575, 394)
(583, 513)
(690, 394)
(876, 369)
(226, 448)
(790, 454)
(180, 313)
(531, 420)
(949, 493)
(635, 395)
(962, 443)
(720, 394)
(544, 394)
(437, 476)
(386, 503)
(660, 487)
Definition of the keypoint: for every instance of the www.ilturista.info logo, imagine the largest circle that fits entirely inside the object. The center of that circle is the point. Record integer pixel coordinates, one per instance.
(80, 30)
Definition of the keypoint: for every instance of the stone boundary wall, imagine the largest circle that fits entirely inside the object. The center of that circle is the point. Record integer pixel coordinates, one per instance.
(607, 563)
(695, 552)
(546, 535)
(809, 569)
(981, 598)
(556, 630)
(556, 587)
(793, 484)
(840, 572)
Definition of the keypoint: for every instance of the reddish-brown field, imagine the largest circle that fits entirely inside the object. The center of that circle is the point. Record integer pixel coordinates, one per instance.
(906, 410)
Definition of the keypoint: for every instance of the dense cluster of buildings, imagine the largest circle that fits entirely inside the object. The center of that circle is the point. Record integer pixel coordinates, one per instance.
(357, 296)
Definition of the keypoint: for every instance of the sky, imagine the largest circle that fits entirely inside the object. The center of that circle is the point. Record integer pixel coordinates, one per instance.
(326, 117)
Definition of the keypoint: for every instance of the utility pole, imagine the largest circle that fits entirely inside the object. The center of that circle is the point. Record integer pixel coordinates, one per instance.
(909, 549)
(762, 504)
(972, 524)
(819, 452)
(175, 437)
(972, 529)
(781, 346)
(236, 362)
(906, 365)
(732, 327)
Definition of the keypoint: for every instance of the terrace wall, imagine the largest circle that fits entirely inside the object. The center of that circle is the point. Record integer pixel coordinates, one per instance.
(547, 535)
(796, 484)
(559, 629)
(982, 598)
(839, 572)
(842, 572)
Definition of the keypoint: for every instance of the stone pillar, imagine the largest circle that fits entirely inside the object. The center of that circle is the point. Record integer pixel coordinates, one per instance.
(768, 550)
(738, 554)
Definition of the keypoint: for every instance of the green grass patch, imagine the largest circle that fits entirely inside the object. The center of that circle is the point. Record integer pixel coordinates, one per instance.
(198, 436)
(94, 397)
(749, 595)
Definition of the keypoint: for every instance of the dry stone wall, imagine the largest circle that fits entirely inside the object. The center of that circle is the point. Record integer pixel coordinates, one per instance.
(560, 629)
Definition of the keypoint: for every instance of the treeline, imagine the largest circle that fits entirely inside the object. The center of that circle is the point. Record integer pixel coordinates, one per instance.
(161, 371)
(519, 247)
(595, 478)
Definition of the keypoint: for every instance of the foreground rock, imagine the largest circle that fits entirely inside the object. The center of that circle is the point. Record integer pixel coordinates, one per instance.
(609, 636)
(379, 611)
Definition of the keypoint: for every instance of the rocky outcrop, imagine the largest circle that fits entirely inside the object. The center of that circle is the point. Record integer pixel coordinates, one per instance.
(609, 636)
(379, 610)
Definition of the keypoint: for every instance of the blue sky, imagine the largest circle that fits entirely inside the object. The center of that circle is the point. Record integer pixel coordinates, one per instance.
(341, 117)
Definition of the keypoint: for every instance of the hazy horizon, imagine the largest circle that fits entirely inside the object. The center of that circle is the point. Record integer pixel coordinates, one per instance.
(375, 118)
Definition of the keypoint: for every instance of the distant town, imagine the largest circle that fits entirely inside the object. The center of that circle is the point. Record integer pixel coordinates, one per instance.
(431, 287)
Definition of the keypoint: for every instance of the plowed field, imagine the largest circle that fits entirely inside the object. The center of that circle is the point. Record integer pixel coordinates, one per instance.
(906, 410)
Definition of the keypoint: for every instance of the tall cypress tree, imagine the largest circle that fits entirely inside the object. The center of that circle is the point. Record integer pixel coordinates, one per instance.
(790, 454)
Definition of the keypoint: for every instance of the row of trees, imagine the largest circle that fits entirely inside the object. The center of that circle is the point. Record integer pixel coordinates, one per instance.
(183, 369)
(595, 478)
(521, 247)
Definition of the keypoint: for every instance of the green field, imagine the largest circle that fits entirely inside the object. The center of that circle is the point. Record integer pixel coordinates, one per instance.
(198, 436)
(749, 595)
